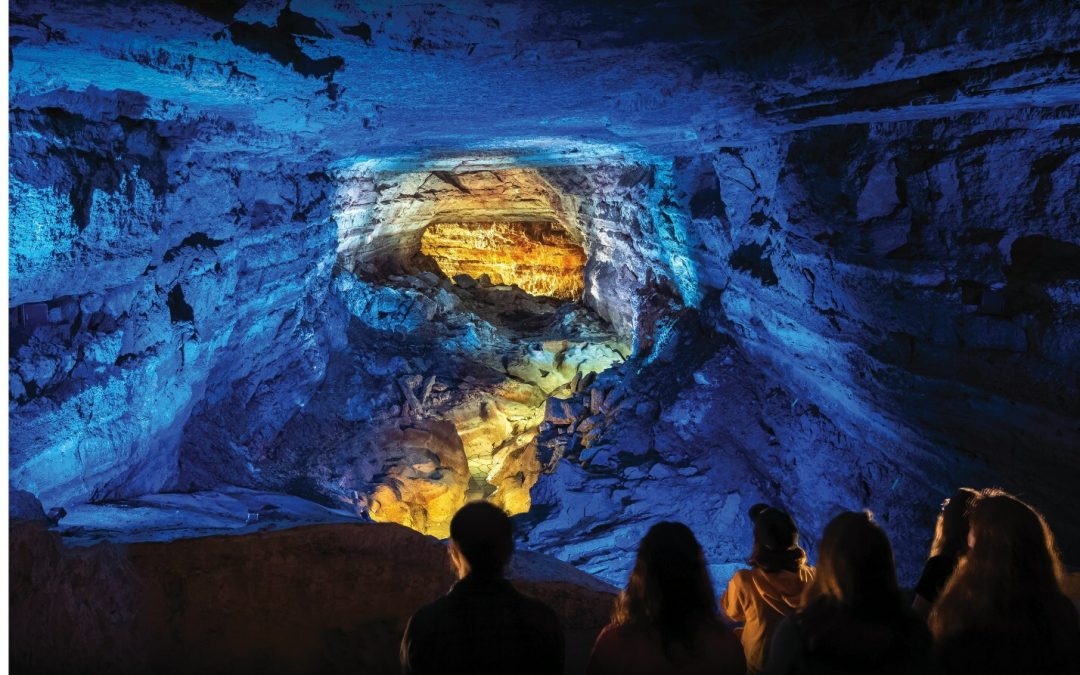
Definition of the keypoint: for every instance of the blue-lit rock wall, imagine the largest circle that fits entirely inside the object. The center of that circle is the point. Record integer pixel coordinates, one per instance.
(152, 276)
(903, 303)
(843, 243)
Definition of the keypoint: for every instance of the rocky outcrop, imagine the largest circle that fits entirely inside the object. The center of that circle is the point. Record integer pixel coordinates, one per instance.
(310, 599)
(622, 212)
(902, 255)
(120, 272)
(436, 397)
(538, 257)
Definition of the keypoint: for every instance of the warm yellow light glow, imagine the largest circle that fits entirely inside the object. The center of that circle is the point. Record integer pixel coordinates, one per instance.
(487, 440)
(539, 257)
(515, 227)
(428, 486)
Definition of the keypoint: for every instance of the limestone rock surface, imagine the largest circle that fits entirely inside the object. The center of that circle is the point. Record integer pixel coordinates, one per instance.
(830, 260)
(537, 257)
(310, 599)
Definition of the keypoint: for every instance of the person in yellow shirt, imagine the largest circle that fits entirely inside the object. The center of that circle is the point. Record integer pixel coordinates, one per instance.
(763, 595)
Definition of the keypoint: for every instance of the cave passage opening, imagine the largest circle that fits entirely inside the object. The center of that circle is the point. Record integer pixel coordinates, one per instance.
(500, 260)
(540, 257)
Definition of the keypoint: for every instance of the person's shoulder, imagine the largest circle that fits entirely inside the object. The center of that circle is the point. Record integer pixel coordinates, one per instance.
(940, 561)
(612, 650)
(725, 647)
(610, 633)
(619, 639)
(424, 628)
(1069, 613)
(718, 632)
(739, 585)
(790, 623)
(786, 646)
(536, 608)
(430, 613)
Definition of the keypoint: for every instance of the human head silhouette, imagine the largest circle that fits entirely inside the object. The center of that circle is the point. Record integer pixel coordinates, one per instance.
(856, 568)
(669, 589)
(481, 540)
(1013, 545)
(776, 540)
(1011, 576)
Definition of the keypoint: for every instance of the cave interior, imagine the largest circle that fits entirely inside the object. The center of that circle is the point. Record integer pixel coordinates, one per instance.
(277, 264)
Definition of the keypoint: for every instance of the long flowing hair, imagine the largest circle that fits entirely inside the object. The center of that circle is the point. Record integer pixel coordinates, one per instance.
(951, 530)
(1012, 577)
(669, 589)
(856, 571)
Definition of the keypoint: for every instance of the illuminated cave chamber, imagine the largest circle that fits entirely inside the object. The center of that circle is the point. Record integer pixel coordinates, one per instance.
(476, 282)
(539, 257)
(844, 258)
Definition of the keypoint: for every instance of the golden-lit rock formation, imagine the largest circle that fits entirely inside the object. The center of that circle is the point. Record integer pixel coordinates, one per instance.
(498, 432)
(380, 233)
(428, 484)
(539, 257)
(515, 470)
(508, 227)
(483, 446)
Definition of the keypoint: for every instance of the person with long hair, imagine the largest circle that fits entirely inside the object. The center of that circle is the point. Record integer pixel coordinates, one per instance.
(1004, 611)
(666, 620)
(854, 618)
(763, 595)
(950, 544)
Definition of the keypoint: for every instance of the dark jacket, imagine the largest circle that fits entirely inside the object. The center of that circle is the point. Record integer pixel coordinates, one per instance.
(628, 650)
(1046, 640)
(481, 627)
(830, 641)
(934, 576)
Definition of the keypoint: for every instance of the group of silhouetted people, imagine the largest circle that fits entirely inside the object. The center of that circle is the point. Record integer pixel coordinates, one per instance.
(989, 600)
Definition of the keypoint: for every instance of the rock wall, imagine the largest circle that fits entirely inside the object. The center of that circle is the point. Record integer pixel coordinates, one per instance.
(841, 241)
(919, 277)
(621, 210)
(136, 285)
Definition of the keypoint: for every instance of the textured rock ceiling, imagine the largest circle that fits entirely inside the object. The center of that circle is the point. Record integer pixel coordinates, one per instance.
(836, 243)
(391, 80)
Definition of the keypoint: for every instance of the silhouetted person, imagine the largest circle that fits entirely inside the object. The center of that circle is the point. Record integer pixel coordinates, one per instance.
(854, 619)
(483, 625)
(772, 588)
(666, 620)
(1003, 611)
(950, 544)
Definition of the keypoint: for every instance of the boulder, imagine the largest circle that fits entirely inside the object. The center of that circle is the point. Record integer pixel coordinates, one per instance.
(24, 506)
(323, 598)
(559, 412)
